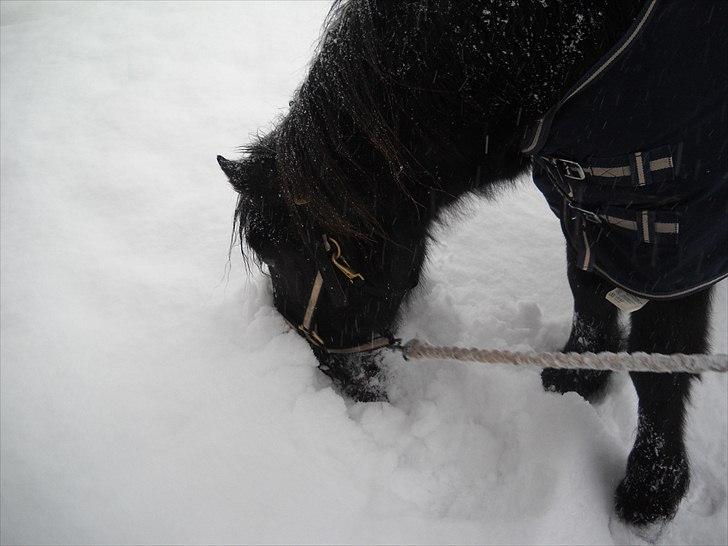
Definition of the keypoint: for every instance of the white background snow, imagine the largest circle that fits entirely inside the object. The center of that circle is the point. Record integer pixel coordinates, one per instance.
(150, 397)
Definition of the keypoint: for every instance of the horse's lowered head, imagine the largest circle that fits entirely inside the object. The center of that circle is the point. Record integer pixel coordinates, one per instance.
(339, 290)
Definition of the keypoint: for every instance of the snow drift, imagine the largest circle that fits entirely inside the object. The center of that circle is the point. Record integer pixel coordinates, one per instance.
(151, 394)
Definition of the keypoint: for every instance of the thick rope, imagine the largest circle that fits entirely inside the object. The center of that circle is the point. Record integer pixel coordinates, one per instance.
(618, 362)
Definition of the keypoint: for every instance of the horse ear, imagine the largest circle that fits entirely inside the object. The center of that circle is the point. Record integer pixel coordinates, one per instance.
(234, 172)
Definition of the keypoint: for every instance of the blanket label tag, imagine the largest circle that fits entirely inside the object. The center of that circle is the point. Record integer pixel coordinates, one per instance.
(626, 301)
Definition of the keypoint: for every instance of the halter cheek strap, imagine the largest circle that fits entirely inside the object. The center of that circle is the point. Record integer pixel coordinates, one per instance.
(305, 326)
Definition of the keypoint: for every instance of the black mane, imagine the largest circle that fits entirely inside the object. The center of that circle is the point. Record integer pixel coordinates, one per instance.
(376, 111)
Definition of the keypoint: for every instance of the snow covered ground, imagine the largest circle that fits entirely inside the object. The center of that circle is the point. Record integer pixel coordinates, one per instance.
(149, 396)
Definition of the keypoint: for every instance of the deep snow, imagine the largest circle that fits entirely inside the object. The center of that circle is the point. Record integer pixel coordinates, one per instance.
(148, 396)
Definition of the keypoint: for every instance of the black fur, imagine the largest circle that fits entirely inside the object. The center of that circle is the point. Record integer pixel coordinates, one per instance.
(408, 106)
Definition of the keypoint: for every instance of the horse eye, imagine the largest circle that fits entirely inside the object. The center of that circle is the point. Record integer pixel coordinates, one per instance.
(263, 249)
(268, 260)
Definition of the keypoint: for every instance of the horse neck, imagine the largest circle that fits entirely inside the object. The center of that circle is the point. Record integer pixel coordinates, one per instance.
(411, 104)
(561, 43)
(494, 69)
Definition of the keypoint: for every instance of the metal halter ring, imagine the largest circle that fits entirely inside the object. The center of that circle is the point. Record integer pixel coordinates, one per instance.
(340, 262)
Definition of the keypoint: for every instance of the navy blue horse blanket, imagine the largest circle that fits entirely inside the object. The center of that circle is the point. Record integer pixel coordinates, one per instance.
(634, 159)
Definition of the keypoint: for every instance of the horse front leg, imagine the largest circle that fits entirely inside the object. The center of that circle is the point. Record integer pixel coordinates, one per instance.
(595, 328)
(657, 474)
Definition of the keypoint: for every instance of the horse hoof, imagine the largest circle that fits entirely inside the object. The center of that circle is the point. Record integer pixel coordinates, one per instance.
(586, 383)
(650, 494)
(624, 533)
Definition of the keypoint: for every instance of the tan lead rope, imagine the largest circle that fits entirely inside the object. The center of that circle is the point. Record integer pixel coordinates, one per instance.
(619, 362)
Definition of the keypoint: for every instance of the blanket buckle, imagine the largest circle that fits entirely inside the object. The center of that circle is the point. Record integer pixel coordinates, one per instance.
(569, 169)
(589, 215)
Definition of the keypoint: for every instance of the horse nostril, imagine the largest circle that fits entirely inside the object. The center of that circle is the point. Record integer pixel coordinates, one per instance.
(359, 375)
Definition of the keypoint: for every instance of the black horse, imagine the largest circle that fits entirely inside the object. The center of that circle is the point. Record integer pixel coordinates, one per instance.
(407, 107)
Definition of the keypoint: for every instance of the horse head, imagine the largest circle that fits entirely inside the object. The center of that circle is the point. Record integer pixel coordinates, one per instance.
(339, 291)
